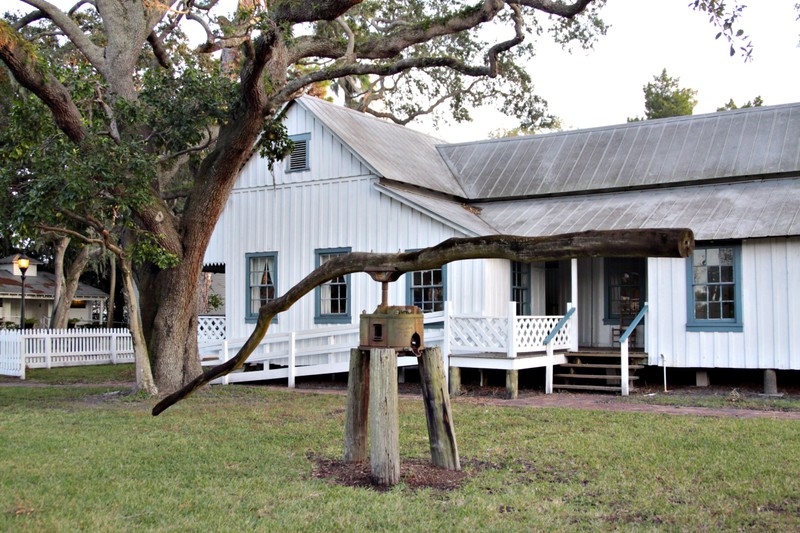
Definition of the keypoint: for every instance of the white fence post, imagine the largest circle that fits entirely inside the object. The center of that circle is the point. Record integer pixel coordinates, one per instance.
(113, 347)
(22, 357)
(511, 343)
(446, 341)
(624, 366)
(48, 348)
(548, 378)
(292, 358)
(224, 358)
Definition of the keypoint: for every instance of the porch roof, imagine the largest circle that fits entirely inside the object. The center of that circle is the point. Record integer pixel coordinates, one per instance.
(759, 208)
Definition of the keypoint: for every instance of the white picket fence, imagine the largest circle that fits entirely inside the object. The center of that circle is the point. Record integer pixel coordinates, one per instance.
(48, 348)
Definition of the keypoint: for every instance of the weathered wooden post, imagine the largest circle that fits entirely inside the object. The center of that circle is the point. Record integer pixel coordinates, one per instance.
(356, 428)
(384, 417)
(439, 415)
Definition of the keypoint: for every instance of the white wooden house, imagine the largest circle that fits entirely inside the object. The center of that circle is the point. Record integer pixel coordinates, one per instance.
(358, 183)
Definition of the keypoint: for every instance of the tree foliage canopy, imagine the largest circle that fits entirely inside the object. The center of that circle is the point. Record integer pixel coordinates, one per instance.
(664, 97)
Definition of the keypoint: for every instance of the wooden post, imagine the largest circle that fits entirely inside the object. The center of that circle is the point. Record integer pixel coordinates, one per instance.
(384, 417)
(512, 384)
(355, 425)
(439, 415)
(455, 381)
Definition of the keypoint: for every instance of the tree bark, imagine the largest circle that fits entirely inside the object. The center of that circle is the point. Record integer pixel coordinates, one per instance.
(618, 243)
(112, 289)
(69, 285)
(144, 374)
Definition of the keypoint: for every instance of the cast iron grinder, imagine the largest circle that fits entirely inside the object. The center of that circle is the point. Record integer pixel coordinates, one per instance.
(391, 326)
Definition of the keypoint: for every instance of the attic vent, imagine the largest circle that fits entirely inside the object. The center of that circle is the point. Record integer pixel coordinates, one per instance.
(298, 159)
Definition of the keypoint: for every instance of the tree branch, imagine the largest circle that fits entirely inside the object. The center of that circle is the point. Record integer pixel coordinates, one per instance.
(93, 53)
(623, 243)
(22, 63)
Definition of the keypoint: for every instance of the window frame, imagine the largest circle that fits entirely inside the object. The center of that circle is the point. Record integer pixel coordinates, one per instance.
(302, 137)
(332, 318)
(410, 285)
(249, 316)
(735, 324)
(609, 318)
(526, 287)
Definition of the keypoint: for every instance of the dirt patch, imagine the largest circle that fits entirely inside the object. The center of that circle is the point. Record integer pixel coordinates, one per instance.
(415, 474)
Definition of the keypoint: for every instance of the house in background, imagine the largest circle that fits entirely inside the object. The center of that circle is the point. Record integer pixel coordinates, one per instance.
(356, 183)
(86, 308)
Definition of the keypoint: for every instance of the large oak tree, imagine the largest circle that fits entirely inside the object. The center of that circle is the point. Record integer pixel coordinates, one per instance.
(140, 133)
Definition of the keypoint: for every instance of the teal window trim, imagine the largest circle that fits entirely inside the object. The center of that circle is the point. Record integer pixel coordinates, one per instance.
(611, 317)
(298, 160)
(343, 282)
(734, 324)
(521, 287)
(271, 286)
(437, 305)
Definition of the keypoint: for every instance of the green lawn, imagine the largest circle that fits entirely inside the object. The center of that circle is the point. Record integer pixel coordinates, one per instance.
(240, 458)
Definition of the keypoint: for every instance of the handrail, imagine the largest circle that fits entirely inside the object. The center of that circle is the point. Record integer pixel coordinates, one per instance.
(558, 326)
(633, 324)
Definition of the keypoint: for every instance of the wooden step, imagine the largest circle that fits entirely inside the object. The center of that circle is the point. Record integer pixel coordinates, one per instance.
(599, 365)
(587, 387)
(594, 376)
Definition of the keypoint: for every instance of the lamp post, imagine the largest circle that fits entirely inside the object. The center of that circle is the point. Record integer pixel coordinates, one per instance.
(23, 263)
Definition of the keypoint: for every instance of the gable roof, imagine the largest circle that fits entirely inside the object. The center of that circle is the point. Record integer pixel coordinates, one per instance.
(740, 144)
(394, 152)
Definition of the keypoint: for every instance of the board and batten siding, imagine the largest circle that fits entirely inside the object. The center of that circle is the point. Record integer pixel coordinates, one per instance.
(770, 304)
(296, 220)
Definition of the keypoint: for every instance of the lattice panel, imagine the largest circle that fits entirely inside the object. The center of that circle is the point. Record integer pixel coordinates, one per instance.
(211, 328)
(530, 331)
(481, 333)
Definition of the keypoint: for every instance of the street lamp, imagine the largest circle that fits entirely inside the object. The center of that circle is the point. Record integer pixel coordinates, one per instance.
(23, 263)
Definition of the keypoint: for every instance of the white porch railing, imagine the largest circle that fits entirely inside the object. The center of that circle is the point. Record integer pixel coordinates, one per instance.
(302, 353)
(475, 334)
(623, 348)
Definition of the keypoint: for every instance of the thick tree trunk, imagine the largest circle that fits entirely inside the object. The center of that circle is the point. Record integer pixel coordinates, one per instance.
(144, 373)
(173, 337)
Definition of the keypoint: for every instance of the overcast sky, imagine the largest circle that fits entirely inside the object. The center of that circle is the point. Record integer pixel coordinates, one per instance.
(604, 86)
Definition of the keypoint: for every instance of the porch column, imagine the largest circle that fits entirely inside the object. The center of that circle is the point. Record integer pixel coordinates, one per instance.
(574, 300)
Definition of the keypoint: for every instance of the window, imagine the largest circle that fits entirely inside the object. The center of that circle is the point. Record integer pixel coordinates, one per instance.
(333, 297)
(426, 289)
(625, 288)
(262, 281)
(714, 283)
(521, 287)
(298, 159)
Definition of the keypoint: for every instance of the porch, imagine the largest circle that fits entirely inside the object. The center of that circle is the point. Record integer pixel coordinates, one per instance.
(510, 343)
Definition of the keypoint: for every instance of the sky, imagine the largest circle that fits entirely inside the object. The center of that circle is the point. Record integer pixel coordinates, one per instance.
(603, 86)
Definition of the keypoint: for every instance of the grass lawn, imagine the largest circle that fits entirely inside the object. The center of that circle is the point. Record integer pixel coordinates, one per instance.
(72, 375)
(240, 458)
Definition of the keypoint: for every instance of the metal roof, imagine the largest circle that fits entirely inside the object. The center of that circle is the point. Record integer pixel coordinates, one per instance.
(452, 213)
(736, 144)
(394, 152)
(762, 208)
